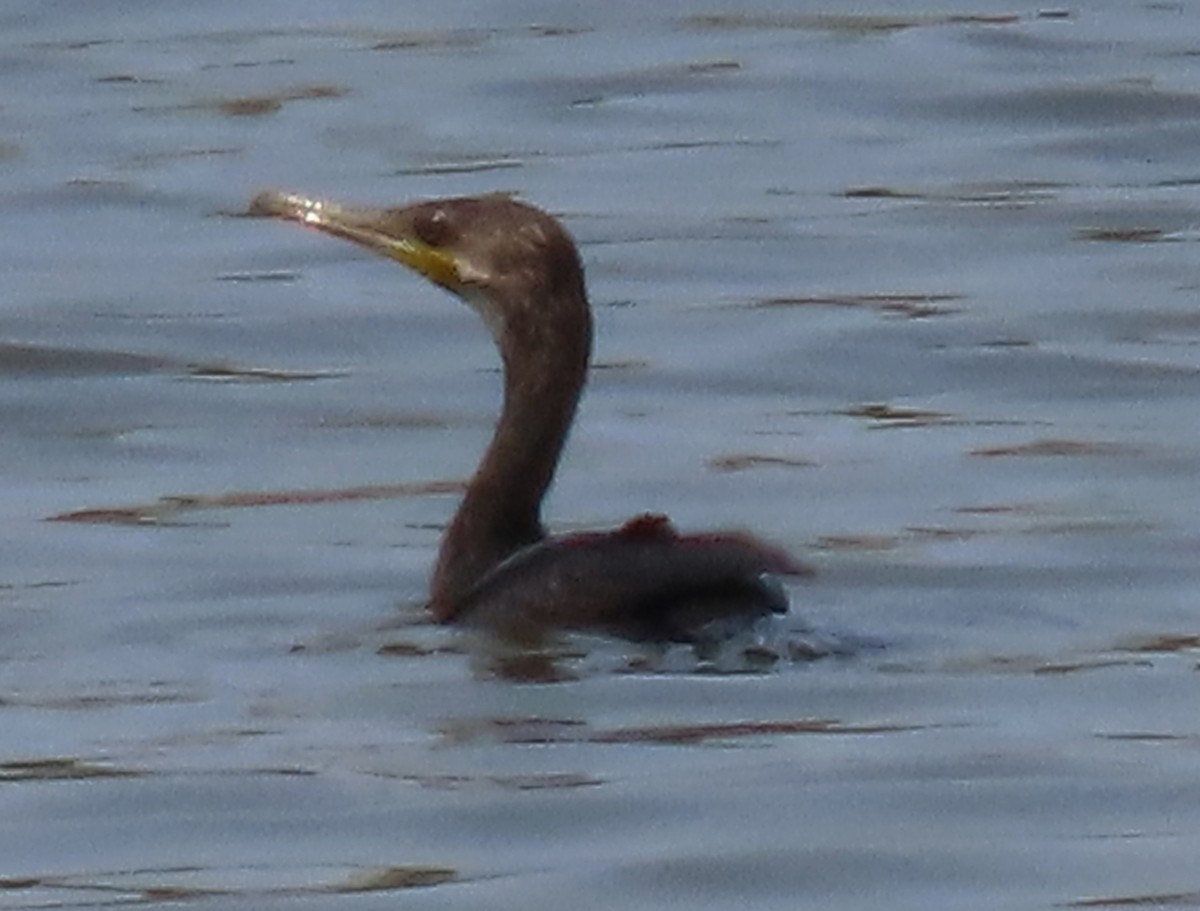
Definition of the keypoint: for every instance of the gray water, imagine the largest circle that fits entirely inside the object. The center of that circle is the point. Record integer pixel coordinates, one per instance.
(912, 294)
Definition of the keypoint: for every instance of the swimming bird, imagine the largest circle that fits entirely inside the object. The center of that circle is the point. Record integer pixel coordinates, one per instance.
(497, 568)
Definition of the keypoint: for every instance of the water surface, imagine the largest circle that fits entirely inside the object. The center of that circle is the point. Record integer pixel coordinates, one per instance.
(912, 293)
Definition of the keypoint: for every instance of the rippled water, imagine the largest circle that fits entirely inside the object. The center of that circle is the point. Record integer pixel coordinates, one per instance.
(912, 293)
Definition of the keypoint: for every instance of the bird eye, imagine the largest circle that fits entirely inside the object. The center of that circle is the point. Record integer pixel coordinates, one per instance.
(433, 227)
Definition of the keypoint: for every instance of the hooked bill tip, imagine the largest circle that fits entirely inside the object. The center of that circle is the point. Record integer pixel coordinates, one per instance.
(274, 204)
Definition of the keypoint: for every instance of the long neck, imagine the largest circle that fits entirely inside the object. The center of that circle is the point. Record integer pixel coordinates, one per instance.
(545, 367)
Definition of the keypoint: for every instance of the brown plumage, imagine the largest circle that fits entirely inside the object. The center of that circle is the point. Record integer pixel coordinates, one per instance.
(519, 269)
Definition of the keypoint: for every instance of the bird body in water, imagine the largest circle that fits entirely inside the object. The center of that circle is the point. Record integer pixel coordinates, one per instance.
(520, 270)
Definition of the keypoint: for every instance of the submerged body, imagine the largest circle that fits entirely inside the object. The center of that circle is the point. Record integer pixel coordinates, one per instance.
(642, 581)
(520, 270)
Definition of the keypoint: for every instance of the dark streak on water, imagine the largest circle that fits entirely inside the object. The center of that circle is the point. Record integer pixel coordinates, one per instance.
(912, 292)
